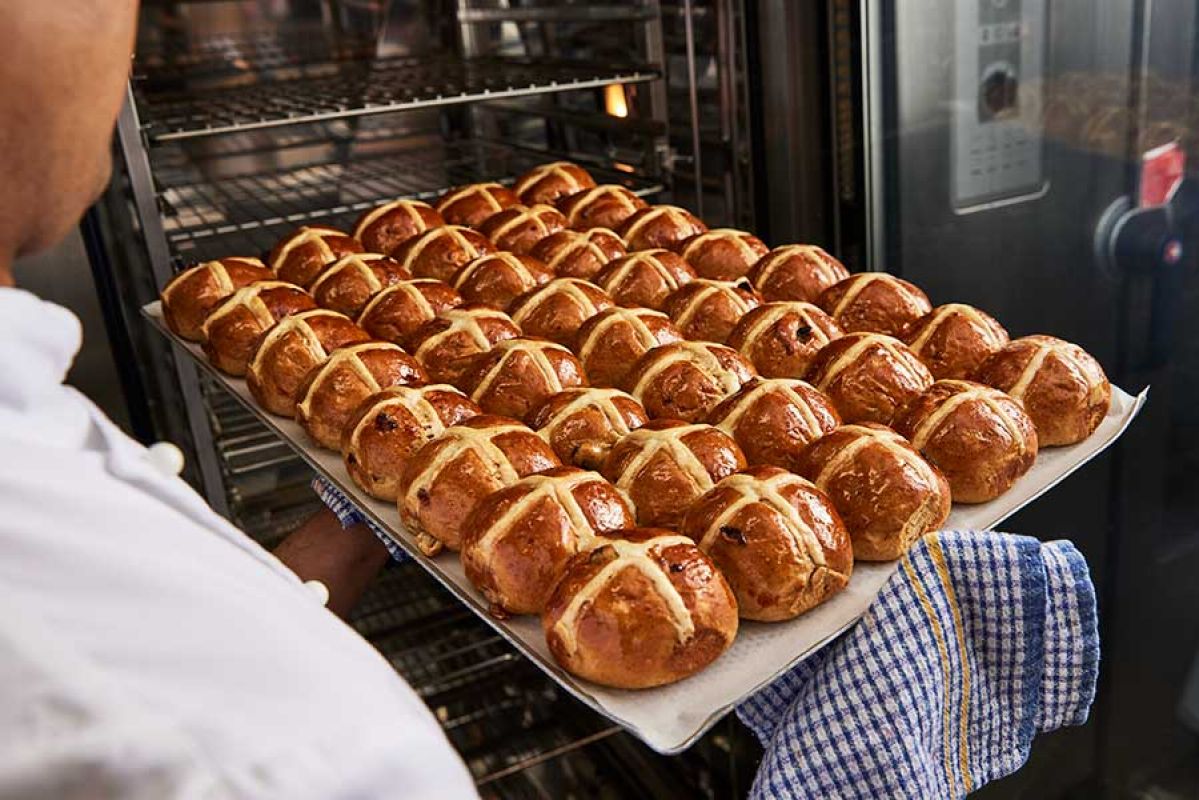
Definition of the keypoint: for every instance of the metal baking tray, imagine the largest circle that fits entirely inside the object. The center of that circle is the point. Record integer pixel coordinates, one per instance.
(671, 718)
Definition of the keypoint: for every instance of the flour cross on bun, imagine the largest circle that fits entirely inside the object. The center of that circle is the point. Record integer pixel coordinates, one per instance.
(978, 436)
(301, 256)
(685, 380)
(876, 302)
(470, 205)
(444, 481)
(192, 294)
(387, 226)
(350, 282)
(558, 309)
(637, 556)
(774, 419)
(497, 279)
(887, 494)
(1060, 386)
(710, 309)
(579, 254)
(780, 339)
(776, 538)
(645, 279)
(446, 343)
(440, 252)
(605, 206)
(723, 253)
(796, 272)
(290, 349)
(558, 512)
(349, 376)
(545, 183)
(868, 375)
(516, 375)
(388, 427)
(660, 226)
(582, 424)
(519, 228)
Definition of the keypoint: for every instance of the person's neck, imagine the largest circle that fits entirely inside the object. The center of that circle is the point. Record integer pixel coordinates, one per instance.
(6, 278)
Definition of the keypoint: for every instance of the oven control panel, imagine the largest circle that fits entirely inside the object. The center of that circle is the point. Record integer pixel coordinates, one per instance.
(996, 129)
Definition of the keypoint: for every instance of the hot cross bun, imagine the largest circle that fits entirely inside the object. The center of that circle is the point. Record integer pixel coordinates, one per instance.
(610, 343)
(300, 257)
(446, 344)
(545, 183)
(579, 254)
(723, 254)
(685, 380)
(231, 330)
(189, 296)
(395, 313)
(774, 419)
(349, 283)
(470, 205)
(440, 252)
(582, 424)
(709, 310)
(517, 541)
(558, 309)
(796, 272)
(516, 375)
(659, 227)
(874, 302)
(953, 340)
(867, 376)
(780, 339)
(518, 228)
(496, 280)
(386, 227)
(445, 479)
(605, 206)
(645, 279)
(776, 538)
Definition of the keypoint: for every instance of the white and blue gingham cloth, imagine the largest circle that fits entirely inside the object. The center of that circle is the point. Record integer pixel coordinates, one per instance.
(348, 515)
(976, 644)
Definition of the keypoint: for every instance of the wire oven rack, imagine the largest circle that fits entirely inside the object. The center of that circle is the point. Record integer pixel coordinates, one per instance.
(210, 217)
(364, 88)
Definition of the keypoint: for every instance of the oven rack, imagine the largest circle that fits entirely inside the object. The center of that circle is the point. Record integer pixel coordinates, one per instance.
(379, 86)
(210, 218)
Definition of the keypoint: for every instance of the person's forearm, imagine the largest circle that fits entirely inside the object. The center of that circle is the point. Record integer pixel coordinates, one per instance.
(345, 560)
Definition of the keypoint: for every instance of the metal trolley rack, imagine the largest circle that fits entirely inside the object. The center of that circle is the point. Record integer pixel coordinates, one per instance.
(240, 126)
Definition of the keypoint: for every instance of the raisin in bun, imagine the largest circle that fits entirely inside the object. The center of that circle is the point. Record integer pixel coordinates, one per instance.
(558, 309)
(888, 496)
(796, 272)
(610, 343)
(300, 257)
(1061, 387)
(685, 380)
(350, 375)
(664, 465)
(774, 419)
(645, 279)
(874, 302)
(604, 206)
(440, 252)
(396, 313)
(470, 205)
(723, 254)
(709, 310)
(518, 228)
(656, 227)
(642, 608)
(189, 296)
(545, 183)
(496, 280)
(867, 376)
(349, 283)
(776, 538)
(977, 436)
(780, 339)
(231, 330)
(386, 227)
(291, 348)
(388, 427)
(445, 479)
(446, 344)
(953, 340)
(582, 424)
(516, 542)
(579, 254)
(516, 375)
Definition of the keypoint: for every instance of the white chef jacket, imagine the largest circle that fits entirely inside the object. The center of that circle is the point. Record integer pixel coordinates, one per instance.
(149, 649)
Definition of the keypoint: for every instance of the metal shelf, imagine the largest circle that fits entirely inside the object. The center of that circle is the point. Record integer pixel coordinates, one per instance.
(213, 217)
(357, 89)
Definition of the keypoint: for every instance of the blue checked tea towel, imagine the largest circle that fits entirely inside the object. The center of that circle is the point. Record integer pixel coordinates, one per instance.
(976, 644)
(348, 514)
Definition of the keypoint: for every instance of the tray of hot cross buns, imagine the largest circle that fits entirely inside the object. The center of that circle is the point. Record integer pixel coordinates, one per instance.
(666, 462)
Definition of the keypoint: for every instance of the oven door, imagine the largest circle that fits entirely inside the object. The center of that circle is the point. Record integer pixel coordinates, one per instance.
(1027, 157)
